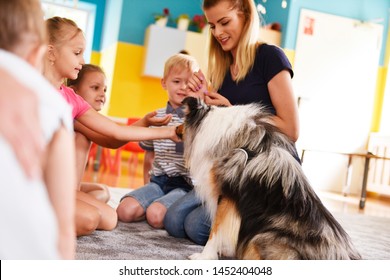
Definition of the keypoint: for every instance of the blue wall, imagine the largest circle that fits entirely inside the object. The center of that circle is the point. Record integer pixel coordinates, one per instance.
(275, 13)
(137, 15)
(127, 20)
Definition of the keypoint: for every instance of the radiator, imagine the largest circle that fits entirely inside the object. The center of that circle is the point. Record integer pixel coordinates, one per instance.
(379, 169)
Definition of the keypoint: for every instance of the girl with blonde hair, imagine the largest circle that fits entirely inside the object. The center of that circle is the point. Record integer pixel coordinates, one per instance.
(64, 60)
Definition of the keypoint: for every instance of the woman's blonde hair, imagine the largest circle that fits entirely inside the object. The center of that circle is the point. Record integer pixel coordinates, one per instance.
(61, 30)
(180, 61)
(21, 21)
(220, 60)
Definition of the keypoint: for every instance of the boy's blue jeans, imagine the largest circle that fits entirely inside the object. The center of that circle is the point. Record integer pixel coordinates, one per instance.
(187, 217)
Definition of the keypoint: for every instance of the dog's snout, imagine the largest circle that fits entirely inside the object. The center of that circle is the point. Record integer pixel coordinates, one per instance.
(180, 131)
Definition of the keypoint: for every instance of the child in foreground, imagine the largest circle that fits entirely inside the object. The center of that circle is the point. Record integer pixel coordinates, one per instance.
(37, 214)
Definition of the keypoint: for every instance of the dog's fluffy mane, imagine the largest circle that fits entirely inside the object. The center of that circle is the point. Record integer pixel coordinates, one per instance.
(248, 160)
(231, 135)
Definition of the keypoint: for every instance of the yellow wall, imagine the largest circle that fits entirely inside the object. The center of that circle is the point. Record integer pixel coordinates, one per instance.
(130, 94)
(290, 55)
(95, 57)
(379, 95)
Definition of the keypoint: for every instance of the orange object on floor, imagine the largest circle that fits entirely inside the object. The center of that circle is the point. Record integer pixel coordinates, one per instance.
(134, 149)
(102, 158)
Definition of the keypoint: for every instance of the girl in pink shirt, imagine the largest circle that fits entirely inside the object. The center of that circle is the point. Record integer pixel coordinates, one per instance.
(79, 105)
(64, 60)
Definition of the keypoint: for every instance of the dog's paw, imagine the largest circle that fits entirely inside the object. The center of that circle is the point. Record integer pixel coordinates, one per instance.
(202, 256)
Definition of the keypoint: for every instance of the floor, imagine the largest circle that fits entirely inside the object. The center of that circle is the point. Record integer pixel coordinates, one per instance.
(131, 176)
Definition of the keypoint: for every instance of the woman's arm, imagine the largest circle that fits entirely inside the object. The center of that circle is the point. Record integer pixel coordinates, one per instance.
(282, 97)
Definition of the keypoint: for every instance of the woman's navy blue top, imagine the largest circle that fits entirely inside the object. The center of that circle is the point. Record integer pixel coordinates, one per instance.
(269, 61)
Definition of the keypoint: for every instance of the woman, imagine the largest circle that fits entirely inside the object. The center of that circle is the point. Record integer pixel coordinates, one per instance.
(241, 70)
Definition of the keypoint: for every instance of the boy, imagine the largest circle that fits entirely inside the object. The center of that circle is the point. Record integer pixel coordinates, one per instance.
(169, 179)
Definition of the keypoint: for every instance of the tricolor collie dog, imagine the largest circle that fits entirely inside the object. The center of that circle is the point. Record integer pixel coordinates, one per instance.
(261, 204)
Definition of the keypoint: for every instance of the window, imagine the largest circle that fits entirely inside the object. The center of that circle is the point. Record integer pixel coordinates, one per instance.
(80, 12)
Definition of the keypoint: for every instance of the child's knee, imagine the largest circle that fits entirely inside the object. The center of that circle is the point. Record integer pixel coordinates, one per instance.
(129, 210)
(87, 223)
(109, 220)
(155, 215)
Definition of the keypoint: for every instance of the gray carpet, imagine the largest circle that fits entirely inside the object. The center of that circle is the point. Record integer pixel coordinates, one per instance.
(134, 241)
(139, 241)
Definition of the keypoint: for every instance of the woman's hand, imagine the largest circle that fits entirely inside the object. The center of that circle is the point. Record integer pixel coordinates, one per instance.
(200, 88)
(197, 85)
(197, 81)
(214, 98)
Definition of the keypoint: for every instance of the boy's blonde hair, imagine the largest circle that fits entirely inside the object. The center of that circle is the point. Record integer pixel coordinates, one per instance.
(61, 30)
(181, 62)
(219, 60)
(21, 22)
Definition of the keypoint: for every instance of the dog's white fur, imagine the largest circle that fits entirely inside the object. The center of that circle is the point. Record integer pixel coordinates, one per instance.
(219, 126)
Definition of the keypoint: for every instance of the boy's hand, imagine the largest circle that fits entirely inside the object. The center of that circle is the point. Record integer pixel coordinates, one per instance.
(151, 119)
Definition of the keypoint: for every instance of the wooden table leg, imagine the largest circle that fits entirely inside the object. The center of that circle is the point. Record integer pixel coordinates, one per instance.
(364, 184)
(347, 184)
(302, 155)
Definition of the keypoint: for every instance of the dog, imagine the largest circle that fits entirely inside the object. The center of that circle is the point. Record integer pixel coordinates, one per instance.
(249, 177)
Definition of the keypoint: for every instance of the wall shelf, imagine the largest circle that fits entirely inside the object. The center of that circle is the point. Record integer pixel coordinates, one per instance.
(163, 42)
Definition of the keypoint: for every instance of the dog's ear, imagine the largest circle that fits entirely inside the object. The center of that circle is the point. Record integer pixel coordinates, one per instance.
(190, 104)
